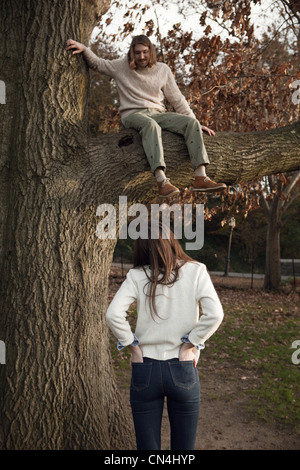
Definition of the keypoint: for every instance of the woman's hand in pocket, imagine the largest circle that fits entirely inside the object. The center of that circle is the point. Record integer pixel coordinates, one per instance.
(187, 352)
(136, 354)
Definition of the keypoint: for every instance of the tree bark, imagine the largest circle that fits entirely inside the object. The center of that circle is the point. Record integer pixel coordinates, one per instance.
(272, 279)
(57, 387)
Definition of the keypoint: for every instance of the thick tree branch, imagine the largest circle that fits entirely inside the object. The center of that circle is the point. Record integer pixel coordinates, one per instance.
(115, 164)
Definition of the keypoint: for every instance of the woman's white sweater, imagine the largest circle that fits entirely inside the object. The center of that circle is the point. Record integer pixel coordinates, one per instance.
(178, 309)
(141, 88)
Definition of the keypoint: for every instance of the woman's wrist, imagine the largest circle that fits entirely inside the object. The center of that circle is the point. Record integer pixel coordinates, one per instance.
(134, 348)
(188, 346)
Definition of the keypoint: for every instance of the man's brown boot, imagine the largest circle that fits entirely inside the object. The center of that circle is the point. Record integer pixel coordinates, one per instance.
(166, 189)
(205, 184)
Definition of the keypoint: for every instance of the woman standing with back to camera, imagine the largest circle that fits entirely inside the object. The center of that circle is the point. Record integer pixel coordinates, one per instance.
(168, 286)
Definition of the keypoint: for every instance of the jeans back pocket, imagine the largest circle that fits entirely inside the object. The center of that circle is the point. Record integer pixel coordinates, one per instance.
(141, 375)
(183, 373)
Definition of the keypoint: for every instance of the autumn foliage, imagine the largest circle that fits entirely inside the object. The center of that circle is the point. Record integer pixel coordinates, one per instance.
(233, 80)
(236, 83)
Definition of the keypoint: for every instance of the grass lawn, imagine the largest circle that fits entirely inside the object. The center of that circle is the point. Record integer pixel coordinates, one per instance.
(254, 343)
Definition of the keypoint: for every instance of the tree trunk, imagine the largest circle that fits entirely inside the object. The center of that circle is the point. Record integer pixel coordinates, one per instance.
(57, 387)
(282, 192)
(272, 278)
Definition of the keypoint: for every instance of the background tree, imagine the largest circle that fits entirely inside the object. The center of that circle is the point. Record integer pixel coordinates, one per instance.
(277, 196)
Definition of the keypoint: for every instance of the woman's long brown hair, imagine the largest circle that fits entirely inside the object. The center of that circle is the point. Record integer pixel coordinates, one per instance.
(164, 256)
(145, 41)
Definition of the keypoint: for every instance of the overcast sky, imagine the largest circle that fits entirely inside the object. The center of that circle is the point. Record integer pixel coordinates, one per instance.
(262, 17)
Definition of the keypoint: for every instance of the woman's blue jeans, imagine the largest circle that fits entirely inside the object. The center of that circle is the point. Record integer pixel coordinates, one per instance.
(151, 382)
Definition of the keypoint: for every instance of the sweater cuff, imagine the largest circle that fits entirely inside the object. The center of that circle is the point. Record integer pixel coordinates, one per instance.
(90, 58)
(134, 343)
(186, 339)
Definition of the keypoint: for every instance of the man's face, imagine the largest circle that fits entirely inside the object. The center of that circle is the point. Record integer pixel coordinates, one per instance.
(141, 55)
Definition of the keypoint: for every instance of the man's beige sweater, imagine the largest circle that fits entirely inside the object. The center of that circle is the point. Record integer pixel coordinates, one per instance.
(178, 309)
(142, 88)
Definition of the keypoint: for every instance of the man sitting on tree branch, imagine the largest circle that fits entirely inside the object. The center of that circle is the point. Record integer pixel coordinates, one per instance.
(143, 83)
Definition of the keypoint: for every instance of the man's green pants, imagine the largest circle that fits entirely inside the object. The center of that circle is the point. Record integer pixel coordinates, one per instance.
(150, 122)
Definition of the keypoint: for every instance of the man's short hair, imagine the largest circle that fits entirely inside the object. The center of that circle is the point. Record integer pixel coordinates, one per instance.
(145, 41)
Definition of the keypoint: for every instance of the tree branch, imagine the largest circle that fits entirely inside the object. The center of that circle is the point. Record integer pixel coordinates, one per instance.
(291, 200)
(265, 206)
(284, 204)
(115, 164)
(295, 178)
